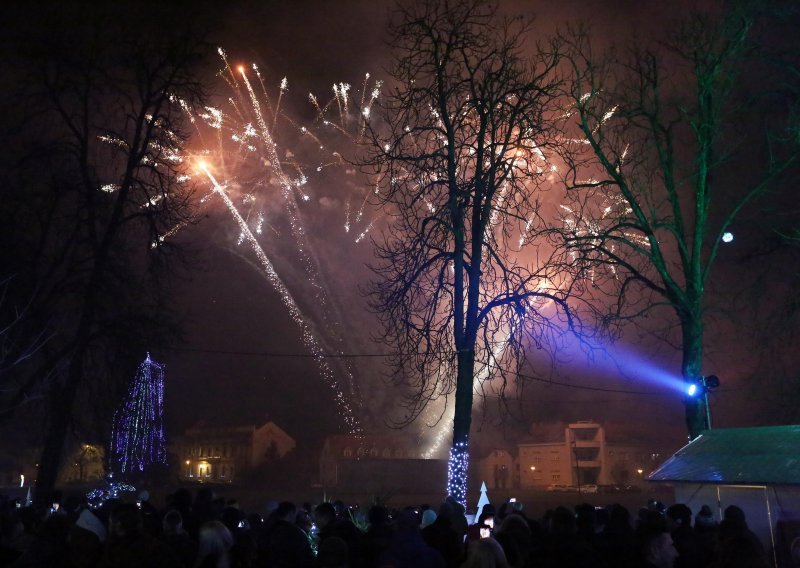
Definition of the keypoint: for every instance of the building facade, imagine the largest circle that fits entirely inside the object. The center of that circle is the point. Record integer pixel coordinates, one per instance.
(339, 452)
(222, 453)
(585, 457)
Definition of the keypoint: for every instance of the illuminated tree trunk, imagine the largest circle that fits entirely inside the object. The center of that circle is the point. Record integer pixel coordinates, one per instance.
(458, 464)
(691, 369)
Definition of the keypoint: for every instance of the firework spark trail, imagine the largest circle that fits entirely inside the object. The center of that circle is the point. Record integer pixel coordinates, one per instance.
(215, 119)
(284, 86)
(230, 76)
(309, 339)
(286, 184)
(446, 426)
(362, 235)
(311, 265)
(363, 109)
(263, 87)
(305, 252)
(261, 142)
(315, 102)
(267, 137)
(340, 94)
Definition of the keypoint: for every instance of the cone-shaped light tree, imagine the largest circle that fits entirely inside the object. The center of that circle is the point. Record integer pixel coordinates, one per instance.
(137, 441)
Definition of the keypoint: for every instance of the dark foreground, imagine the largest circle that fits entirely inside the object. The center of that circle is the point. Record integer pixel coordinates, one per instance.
(204, 528)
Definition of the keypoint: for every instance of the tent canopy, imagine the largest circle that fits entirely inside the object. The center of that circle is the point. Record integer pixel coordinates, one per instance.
(744, 456)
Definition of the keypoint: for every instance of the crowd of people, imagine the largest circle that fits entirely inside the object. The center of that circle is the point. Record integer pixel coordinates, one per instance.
(201, 531)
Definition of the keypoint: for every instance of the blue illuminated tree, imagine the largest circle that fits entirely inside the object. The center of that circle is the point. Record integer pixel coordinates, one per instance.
(137, 439)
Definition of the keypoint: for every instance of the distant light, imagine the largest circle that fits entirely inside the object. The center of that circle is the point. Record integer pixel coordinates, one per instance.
(727, 237)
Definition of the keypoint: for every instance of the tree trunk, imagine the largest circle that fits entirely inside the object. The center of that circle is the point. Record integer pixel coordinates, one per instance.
(691, 368)
(63, 400)
(61, 404)
(458, 463)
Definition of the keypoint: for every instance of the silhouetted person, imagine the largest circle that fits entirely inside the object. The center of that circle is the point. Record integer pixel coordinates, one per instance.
(379, 534)
(655, 542)
(49, 547)
(333, 553)
(679, 523)
(564, 548)
(733, 533)
(705, 531)
(330, 525)
(176, 538)
(618, 539)
(485, 553)
(407, 548)
(213, 548)
(285, 545)
(514, 535)
(442, 536)
(130, 546)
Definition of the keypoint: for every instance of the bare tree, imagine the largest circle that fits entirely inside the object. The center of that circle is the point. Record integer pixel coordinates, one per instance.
(664, 149)
(17, 346)
(99, 186)
(465, 283)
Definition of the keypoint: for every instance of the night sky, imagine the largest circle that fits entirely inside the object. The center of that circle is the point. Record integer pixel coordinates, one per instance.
(231, 308)
(243, 359)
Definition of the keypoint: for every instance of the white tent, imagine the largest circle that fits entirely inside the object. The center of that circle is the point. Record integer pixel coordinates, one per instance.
(757, 469)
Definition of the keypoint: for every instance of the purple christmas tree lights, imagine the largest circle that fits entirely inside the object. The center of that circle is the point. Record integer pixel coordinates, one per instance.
(137, 440)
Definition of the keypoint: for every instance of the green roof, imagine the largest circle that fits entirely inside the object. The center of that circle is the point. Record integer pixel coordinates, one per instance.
(737, 456)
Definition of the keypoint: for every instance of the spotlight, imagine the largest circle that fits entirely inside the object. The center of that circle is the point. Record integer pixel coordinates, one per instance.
(702, 385)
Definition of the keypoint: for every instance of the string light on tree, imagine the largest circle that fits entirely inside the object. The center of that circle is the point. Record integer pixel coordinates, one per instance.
(457, 467)
(137, 440)
(727, 237)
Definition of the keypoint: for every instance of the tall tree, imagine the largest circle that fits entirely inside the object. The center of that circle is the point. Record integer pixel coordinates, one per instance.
(97, 187)
(464, 283)
(664, 148)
